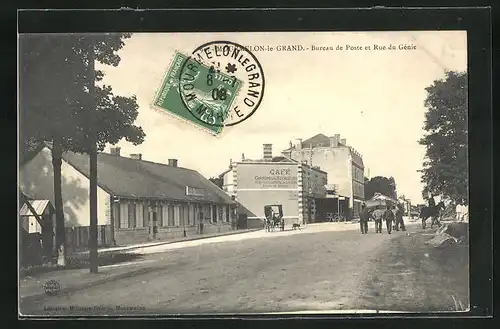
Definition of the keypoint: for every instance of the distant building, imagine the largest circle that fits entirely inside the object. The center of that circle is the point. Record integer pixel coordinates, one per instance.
(343, 164)
(138, 200)
(275, 180)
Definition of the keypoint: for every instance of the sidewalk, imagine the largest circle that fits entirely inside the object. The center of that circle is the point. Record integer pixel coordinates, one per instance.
(162, 242)
(32, 287)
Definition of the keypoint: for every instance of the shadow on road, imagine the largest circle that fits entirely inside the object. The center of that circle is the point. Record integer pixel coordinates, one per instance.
(80, 262)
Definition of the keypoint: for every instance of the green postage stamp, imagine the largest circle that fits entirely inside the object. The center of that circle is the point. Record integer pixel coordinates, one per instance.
(197, 92)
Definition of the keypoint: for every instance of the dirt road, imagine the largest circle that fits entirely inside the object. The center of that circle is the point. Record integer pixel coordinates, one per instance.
(314, 271)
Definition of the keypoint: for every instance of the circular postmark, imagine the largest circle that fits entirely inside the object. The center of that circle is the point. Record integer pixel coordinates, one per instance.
(52, 287)
(221, 83)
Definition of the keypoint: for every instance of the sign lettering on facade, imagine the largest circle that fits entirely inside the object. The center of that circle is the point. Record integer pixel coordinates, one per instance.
(267, 176)
(195, 191)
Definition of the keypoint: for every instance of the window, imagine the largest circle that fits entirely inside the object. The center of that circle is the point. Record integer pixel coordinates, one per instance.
(145, 210)
(170, 215)
(187, 214)
(177, 215)
(221, 213)
(164, 215)
(181, 214)
(191, 218)
(123, 215)
(227, 214)
(131, 215)
(116, 215)
(159, 215)
(214, 213)
(139, 221)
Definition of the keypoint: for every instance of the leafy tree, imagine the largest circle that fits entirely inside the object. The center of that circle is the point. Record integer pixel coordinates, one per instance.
(70, 111)
(380, 184)
(445, 167)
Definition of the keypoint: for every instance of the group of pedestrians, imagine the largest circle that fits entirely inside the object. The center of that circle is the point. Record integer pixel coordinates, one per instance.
(393, 217)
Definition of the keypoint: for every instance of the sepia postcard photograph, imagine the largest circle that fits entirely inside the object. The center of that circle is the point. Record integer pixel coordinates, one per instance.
(243, 173)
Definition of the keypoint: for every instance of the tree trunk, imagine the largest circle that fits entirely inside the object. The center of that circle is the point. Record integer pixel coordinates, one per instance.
(93, 212)
(93, 164)
(58, 202)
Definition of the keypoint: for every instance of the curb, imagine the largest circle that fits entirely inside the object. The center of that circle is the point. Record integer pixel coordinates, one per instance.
(71, 289)
(171, 242)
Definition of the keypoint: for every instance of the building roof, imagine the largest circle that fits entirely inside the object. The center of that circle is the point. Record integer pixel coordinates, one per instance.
(126, 177)
(130, 178)
(321, 140)
(317, 140)
(38, 205)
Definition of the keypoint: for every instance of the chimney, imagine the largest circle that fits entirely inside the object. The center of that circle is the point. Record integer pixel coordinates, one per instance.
(136, 156)
(242, 156)
(172, 162)
(268, 152)
(334, 141)
(114, 151)
(343, 141)
(298, 144)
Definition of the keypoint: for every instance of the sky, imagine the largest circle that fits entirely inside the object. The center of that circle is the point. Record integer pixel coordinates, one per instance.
(372, 98)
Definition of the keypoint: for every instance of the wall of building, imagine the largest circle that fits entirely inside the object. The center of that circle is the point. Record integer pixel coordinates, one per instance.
(36, 179)
(260, 184)
(335, 161)
(134, 221)
(313, 186)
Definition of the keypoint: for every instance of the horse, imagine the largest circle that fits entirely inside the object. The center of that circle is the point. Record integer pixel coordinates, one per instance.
(269, 222)
(433, 213)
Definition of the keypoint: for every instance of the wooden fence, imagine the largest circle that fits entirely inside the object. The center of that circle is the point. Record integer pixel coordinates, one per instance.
(78, 237)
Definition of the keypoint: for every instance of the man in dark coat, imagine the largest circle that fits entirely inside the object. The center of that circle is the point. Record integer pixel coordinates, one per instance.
(399, 219)
(363, 219)
(389, 218)
(432, 202)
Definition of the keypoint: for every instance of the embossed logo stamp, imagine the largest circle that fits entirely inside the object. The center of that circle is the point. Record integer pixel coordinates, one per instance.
(52, 287)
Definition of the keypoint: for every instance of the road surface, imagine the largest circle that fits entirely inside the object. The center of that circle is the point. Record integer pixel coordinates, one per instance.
(314, 270)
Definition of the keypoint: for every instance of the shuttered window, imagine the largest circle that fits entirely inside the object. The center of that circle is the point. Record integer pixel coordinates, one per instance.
(139, 222)
(192, 218)
(177, 215)
(145, 211)
(159, 215)
(164, 215)
(170, 215)
(123, 215)
(116, 215)
(131, 215)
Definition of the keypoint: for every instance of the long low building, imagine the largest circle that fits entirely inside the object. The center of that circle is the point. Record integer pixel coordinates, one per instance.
(275, 180)
(138, 200)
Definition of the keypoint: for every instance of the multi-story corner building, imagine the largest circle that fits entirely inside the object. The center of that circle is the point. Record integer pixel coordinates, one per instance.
(343, 164)
(275, 180)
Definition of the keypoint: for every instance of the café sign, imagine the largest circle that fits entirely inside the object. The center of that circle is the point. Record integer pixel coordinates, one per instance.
(267, 176)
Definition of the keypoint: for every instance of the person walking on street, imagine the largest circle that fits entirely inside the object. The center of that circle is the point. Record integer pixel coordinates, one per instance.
(389, 218)
(363, 219)
(399, 219)
(378, 215)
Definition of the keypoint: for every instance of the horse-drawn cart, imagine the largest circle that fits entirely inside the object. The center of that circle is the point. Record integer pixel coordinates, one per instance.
(274, 217)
